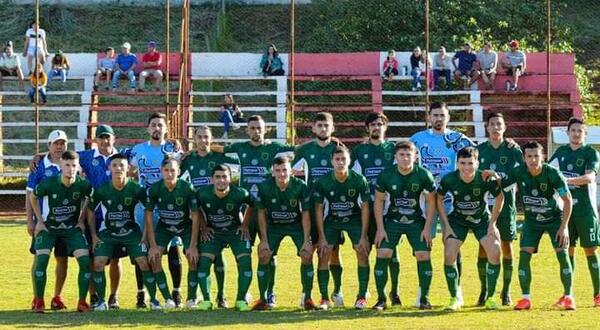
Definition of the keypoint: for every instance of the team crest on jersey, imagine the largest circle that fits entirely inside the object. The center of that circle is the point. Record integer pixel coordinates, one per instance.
(179, 201)
(170, 207)
(65, 201)
(264, 156)
(128, 201)
(414, 187)
(543, 186)
(48, 173)
(388, 156)
(211, 164)
(95, 162)
(579, 162)
(503, 160)
(377, 162)
(76, 195)
(202, 172)
(476, 191)
(351, 192)
(229, 207)
(293, 202)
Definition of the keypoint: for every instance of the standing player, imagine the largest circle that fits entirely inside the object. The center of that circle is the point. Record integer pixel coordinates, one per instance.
(547, 203)
(370, 159)
(578, 162)
(176, 204)
(411, 191)
(63, 196)
(256, 156)
(226, 211)
(146, 158)
(48, 166)
(197, 168)
(342, 204)
(314, 159)
(469, 192)
(117, 199)
(496, 155)
(282, 207)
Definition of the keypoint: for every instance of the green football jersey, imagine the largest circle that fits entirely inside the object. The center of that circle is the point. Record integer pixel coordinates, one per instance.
(61, 205)
(574, 163)
(283, 207)
(406, 193)
(256, 161)
(540, 194)
(223, 214)
(198, 170)
(315, 160)
(469, 200)
(173, 206)
(118, 207)
(502, 160)
(342, 200)
(370, 160)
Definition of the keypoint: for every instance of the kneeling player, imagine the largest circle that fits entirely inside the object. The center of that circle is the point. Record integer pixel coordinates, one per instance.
(175, 201)
(222, 225)
(411, 191)
(347, 195)
(63, 196)
(282, 206)
(469, 193)
(117, 199)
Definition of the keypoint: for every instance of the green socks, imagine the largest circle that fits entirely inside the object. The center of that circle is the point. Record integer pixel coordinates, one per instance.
(451, 273)
(150, 282)
(336, 274)
(192, 281)
(425, 272)
(525, 272)
(83, 279)
(381, 276)
(204, 277)
(262, 274)
(394, 267)
(307, 273)
(273, 265)
(493, 271)
(220, 274)
(323, 279)
(100, 283)
(481, 270)
(244, 276)
(39, 274)
(363, 280)
(161, 282)
(507, 270)
(566, 272)
(593, 267)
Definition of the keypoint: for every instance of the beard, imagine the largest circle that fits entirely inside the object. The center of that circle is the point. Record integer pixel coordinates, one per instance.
(156, 136)
(375, 135)
(323, 138)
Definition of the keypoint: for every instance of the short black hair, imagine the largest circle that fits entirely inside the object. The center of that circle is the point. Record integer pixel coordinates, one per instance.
(373, 116)
(494, 115)
(168, 160)
(323, 116)
(405, 145)
(157, 115)
(255, 118)
(438, 105)
(280, 160)
(222, 167)
(468, 152)
(574, 120)
(340, 149)
(119, 156)
(108, 48)
(69, 155)
(533, 145)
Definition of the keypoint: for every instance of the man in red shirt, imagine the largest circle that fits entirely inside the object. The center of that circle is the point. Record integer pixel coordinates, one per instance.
(152, 61)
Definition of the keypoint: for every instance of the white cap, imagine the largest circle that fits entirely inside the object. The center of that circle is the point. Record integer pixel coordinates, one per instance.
(126, 45)
(57, 135)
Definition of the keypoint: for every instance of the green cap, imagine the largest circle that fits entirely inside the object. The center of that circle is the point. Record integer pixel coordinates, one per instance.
(104, 130)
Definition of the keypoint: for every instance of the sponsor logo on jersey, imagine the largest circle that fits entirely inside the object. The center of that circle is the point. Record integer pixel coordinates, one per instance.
(202, 181)
(537, 201)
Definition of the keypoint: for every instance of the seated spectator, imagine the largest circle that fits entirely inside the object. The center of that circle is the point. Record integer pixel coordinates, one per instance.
(515, 64)
(416, 59)
(271, 63)
(442, 66)
(152, 61)
(230, 114)
(31, 48)
(10, 65)
(106, 66)
(38, 81)
(390, 65)
(465, 70)
(488, 61)
(125, 65)
(59, 67)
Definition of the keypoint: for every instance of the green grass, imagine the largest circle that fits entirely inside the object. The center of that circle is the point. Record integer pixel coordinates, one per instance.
(15, 287)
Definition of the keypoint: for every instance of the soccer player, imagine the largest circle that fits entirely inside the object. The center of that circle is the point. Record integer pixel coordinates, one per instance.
(345, 194)
(48, 166)
(547, 203)
(178, 217)
(411, 191)
(117, 199)
(146, 158)
(370, 159)
(282, 207)
(469, 192)
(226, 212)
(64, 196)
(314, 159)
(578, 162)
(256, 156)
(197, 168)
(496, 155)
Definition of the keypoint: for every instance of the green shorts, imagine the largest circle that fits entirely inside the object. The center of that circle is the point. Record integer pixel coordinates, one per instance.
(314, 231)
(507, 226)
(253, 227)
(276, 233)
(413, 234)
(532, 232)
(73, 238)
(333, 230)
(586, 229)
(110, 243)
(164, 237)
(461, 229)
(223, 238)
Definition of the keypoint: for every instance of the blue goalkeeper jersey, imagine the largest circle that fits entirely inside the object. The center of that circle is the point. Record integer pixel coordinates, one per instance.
(148, 158)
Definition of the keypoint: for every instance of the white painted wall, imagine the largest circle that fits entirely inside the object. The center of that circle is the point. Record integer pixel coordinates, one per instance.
(229, 64)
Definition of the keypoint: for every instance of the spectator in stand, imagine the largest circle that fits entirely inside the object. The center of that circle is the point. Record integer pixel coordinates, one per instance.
(31, 48)
(106, 66)
(38, 81)
(488, 61)
(152, 62)
(515, 64)
(390, 65)
(416, 59)
(271, 63)
(125, 65)
(59, 67)
(10, 65)
(442, 66)
(465, 71)
(230, 114)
